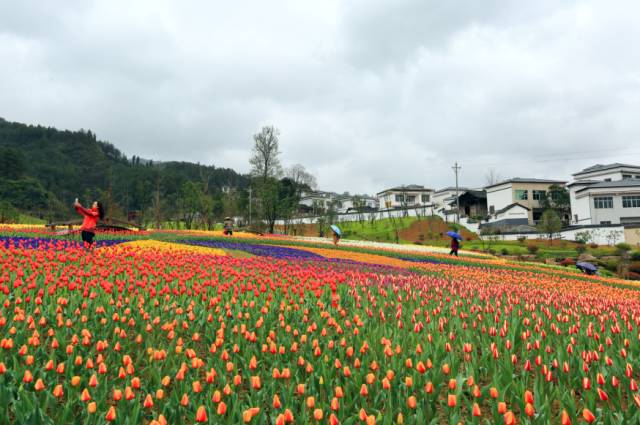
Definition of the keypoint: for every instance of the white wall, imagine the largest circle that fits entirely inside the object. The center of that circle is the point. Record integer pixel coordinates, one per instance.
(390, 197)
(440, 197)
(513, 213)
(499, 197)
(613, 174)
(580, 206)
(612, 215)
(599, 235)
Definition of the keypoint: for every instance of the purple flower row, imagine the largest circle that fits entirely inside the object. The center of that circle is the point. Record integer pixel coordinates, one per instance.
(49, 243)
(257, 250)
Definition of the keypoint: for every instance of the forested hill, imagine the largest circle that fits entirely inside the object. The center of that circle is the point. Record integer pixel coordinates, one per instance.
(43, 169)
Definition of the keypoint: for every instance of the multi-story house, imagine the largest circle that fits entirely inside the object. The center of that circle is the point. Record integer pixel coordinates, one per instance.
(525, 192)
(606, 194)
(412, 195)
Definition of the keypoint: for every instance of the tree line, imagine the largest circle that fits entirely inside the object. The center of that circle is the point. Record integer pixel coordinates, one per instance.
(42, 170)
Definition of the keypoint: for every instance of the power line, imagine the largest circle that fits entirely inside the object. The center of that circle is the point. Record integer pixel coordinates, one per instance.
(553, 159)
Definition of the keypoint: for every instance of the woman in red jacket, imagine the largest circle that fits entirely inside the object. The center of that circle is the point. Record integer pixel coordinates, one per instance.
(90, 221)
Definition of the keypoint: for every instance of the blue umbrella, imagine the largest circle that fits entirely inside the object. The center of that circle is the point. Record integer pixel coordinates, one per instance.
(583, 265)
(336, 229)
(454, 235)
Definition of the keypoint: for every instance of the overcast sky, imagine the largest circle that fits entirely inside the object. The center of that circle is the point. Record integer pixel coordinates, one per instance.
(367, 94)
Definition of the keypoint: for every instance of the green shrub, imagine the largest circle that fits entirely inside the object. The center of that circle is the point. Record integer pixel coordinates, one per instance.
(611, 265)
(634, 266)
(504, 251)
(635, 256)
(580, 248)
(622, 248)
(633, 276)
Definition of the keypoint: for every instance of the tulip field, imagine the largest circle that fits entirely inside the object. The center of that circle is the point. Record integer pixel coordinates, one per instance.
(192, 327)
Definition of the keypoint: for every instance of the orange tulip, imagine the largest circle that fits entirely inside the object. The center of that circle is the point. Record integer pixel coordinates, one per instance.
(529, 410)
(363, 390)
(475, 410)
(411, 402)
(317, 414)
(452, 400)
(509, 418)
(57, 391)
(288, 416)
(588, 415)
(148, 402)
(111, 414)
(222, 408)
(201, 414)
(502, 407)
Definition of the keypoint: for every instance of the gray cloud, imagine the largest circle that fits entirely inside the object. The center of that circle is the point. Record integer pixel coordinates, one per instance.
(366, 94)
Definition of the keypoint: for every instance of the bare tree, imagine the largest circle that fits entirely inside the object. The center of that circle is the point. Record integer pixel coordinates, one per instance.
(264, 157)
(492, 177)
(300, 176)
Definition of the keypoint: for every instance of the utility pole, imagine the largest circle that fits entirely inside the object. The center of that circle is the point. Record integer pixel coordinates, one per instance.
(457, 168)
(250, 190)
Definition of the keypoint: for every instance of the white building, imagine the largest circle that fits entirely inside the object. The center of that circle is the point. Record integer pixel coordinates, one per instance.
(606, 194)
(348, 203)
(317, 200)
(526, 192)
(412, 195)
(442, 198)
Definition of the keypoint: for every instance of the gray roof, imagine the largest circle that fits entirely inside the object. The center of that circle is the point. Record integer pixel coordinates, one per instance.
(479, 194)
(444, 189)
(602, 167)
(614, 184)
(407, 188)
(586, 182)
(508, 207)
(525, 180)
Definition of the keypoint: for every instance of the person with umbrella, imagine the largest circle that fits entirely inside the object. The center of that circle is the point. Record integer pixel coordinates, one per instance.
(587, 268)
(455, 242)
(337, 234)
(228, 226)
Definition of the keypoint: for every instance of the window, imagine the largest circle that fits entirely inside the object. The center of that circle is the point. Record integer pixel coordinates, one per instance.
(638, 176)
(539, 194)
(522, 195)
(411, 199)
(607, 180)
(627, 176)
(399, 198)
(631, 202)
(605, 222)
(425, 198)
(603, 202)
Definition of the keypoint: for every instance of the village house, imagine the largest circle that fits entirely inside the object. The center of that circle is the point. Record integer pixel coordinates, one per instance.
(606, 194)
(518, 197)
(409, 196)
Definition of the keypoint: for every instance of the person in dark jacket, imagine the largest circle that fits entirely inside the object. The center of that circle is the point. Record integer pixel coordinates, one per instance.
(455, 246)
(90, 221)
